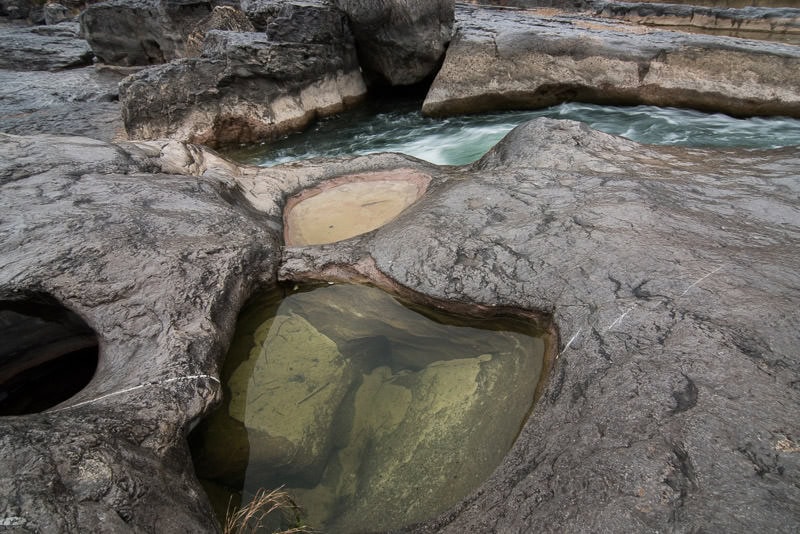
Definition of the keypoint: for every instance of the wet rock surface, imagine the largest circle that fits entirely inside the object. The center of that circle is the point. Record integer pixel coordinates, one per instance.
(670, 274)
(502, 59)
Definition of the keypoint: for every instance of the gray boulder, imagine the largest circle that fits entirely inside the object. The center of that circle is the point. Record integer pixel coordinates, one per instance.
(43, 47)
(400, 42)
(509, 59)
(250, 86)
(55, 13)
(221, 18)
(107, 217)
(141, 32)
(668, 404)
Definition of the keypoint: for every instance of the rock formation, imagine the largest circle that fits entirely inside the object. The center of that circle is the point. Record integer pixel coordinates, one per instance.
(249, 86)
(503, 59)
(669, 273)
(55, 47)
(752, 22)
(401, 42)
(45, 86)
(141, 32)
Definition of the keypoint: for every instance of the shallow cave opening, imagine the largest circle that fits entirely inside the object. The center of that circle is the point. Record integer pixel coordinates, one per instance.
(47, 355)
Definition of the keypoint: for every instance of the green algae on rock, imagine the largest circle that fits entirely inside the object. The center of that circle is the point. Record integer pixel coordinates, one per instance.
(372, 415)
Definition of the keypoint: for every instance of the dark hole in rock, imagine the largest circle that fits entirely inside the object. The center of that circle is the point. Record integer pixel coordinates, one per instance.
(370, 413)
(47, 355)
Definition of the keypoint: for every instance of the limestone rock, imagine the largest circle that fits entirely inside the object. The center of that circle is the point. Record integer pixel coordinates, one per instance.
(101, 230)
(244, 88)
(55, 13)
(141, 32)
(511, 59)
(401, 42)
(78, 101)
(307, 21)
(221, 18)
(671, 274)
(750, 22)
(51, 48)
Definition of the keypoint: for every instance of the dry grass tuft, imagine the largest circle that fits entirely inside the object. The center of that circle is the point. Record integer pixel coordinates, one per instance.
(251, 518)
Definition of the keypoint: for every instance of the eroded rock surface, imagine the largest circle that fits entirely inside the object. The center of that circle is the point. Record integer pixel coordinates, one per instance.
(671, 274)
(503, 59)
(248, 86)
(752, 22)
(47, 87)
(141, 32)
(401, 42)
(43, 47)
(154, 263)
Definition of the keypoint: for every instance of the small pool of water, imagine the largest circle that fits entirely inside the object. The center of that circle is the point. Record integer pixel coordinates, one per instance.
(370, 413)
(400, 127)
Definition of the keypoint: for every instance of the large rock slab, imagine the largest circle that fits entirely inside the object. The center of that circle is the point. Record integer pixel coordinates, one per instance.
(753, 22)
(513, 59)
(401, 42)
(80, 101)
(43, 47)
(246, 86)
(670, 274)
(155, 263)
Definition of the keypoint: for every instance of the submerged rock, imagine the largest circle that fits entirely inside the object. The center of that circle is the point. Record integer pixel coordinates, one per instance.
(287, 394)
(503, 59)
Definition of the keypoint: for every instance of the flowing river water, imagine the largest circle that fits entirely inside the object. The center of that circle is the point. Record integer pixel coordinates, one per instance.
(400, 127)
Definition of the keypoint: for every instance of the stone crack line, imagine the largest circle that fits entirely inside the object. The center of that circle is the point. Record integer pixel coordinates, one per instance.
(701, 279)
(140, 386)
(626, 312)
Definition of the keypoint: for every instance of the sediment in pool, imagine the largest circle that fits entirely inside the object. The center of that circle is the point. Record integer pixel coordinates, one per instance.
(350, 205)
(371, 414)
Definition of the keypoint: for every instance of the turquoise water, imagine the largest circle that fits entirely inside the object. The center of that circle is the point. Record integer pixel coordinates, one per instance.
(400, 127)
